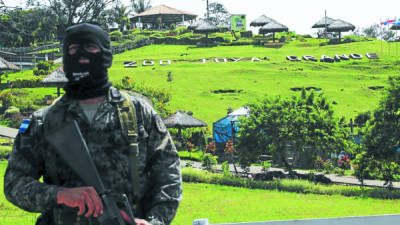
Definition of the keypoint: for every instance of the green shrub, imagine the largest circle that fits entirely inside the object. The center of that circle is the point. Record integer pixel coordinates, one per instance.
(7, 99)
(225, 169)
(209, 161)
(43, 65)
(27, 83)
(12, 110)
(4, 151)
(116, 36)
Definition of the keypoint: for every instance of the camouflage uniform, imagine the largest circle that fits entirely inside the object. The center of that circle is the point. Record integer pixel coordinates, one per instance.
(159, 173)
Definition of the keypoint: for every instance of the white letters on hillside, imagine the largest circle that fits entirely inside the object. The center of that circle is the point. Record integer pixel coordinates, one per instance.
(324, 58)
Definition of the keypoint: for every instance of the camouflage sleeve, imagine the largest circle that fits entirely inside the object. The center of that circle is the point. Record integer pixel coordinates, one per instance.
(166, 181)
(21, 180)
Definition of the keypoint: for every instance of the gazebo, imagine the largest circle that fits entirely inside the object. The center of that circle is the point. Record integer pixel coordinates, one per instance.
(340, 26)
(181, 120)
(323, 22)
(206, 28)
(56, 79)
(395, 27)
(163, 14)
(261, 21)
(194, 25)
(273, 27)
(5, 65)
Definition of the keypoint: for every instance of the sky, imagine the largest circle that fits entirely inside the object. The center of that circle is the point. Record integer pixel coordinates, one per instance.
(297, 15)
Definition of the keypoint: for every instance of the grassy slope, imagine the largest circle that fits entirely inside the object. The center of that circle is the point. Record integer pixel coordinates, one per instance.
(222, 204)
(193, 81)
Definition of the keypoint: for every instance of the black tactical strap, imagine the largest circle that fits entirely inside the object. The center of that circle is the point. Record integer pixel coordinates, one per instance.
(127, 118)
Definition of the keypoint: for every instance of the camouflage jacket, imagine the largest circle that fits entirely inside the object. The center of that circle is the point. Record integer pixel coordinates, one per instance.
(159, 172)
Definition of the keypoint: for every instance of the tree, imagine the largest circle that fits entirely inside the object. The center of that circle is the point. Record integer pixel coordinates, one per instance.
(25, 27)
(372, 31)
(75, 11)
(382, 137)
(299, 122)
(218, 14)
(121, 16)
(140, 6)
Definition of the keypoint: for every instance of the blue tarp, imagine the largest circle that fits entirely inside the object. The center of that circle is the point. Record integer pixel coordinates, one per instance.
(222, 129)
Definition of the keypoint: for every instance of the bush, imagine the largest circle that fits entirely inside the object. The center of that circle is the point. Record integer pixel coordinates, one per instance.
(11, 111)
(209, 161)
(7, 99)
(43, 65)
(29, 83)
(116, 36)
(5, 152)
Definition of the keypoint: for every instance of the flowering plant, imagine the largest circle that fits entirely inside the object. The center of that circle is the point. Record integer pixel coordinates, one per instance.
(211, 147)
(344, 162)
(229, 148)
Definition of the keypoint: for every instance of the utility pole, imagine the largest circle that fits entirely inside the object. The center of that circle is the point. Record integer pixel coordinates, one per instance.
(326, 28)
(208, 11)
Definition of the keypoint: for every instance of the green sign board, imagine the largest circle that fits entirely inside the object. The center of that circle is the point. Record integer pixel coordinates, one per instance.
(238, 22)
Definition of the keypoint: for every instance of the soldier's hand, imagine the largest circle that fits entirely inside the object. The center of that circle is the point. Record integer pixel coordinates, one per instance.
(137, 220)
(81, 197)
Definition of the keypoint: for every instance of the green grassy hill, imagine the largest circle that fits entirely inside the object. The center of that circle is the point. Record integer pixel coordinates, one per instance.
(193, 83)
(346, 83)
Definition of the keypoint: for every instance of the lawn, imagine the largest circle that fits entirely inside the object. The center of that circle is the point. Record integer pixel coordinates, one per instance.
(223, 204)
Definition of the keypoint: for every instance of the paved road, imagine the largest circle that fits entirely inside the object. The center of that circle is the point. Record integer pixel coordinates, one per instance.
(349, 180)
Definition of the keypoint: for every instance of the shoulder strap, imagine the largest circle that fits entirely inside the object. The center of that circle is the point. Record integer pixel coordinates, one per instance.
(50, 118)
(127, 118)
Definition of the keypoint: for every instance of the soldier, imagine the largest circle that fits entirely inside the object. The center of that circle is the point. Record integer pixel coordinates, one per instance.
(154, 189)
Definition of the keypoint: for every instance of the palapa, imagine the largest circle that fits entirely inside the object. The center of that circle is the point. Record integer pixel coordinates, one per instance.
(206, 28)
(195, 24)
(395, 27)
(323, 22)
(56, 79)
(273, 27)
(182, 120)
(166, 13)
(5, 65)
(340, 26)
(261, 21)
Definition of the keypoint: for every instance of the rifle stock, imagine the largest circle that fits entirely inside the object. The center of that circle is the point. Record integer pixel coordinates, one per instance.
(73, 150)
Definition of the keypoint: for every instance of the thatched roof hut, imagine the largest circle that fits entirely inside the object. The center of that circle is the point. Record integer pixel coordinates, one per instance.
(340, 26)
(196, 24)
(182, 120)
(5, 65)
(395, 27)
(261, 21)
(273, 27)
(323, 22)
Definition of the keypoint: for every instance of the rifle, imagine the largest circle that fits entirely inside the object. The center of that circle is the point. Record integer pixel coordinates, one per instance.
(71, 146)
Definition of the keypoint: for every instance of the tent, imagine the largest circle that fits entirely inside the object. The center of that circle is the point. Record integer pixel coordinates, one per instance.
(222, 129)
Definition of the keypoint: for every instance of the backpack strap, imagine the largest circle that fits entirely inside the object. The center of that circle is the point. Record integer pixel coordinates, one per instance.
(49, 118)
(127, 118)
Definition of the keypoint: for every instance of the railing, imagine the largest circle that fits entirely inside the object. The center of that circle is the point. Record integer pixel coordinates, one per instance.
(356, 220)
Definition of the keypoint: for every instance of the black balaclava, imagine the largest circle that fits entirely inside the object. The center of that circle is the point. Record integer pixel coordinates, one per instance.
(86, 80)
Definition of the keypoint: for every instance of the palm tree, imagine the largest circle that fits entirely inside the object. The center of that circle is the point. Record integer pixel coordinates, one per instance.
(121, 16)
(140, 6)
